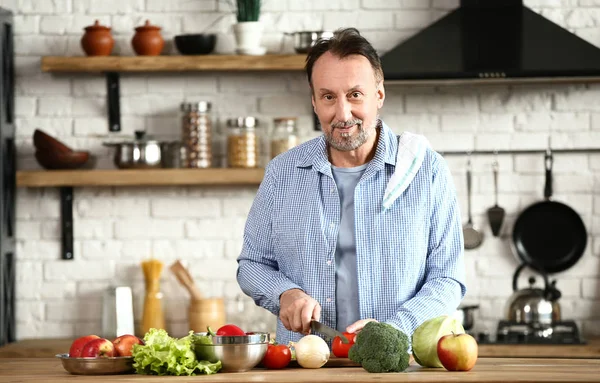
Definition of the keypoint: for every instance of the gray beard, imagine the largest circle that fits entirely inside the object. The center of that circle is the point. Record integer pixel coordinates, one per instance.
(347, 141)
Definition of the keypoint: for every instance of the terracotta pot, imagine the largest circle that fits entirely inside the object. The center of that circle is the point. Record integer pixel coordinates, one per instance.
(97, 40)
(147, 40)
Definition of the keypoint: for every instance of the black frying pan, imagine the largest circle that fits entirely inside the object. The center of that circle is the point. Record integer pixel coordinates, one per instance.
(549, 236)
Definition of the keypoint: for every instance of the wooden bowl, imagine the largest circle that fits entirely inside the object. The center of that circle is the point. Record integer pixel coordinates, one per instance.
(62, 160)
(45, 142)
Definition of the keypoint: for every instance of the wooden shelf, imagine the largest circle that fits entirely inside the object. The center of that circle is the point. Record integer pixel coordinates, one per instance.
(136, 177)
(173, 63)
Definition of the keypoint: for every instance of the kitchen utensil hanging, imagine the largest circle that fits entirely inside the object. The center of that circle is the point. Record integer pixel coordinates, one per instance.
(472, 236)
(548, 235)
(496, 213)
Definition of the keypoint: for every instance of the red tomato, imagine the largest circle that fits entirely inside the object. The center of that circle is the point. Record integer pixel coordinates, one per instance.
(230, 330)
(340, 349)
(277, 356)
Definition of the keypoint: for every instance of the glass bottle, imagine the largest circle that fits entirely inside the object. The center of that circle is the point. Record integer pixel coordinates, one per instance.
(196, 134)
(243, 142)
(284, 135)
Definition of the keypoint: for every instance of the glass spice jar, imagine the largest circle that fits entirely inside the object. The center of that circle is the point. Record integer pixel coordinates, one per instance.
(196, 134)
(284, 135)
(242, 142)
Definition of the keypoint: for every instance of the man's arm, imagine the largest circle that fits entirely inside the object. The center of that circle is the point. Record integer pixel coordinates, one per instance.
(444, 285)
(258, 273)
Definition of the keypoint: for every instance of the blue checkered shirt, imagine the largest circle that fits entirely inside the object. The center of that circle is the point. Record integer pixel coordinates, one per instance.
(410, 258)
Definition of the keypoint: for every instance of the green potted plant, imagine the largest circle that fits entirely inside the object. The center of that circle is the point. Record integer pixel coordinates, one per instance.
(248, 10)
(248, 29)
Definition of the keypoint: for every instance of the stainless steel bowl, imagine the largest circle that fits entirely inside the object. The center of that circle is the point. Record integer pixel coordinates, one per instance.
(97, 366)
(305, 40)
(236, 353)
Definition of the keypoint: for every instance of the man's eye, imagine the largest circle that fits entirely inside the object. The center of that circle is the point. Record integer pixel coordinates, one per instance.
(328, 97)
(355, 94)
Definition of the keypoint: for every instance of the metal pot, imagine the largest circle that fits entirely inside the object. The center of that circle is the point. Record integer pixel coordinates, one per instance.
(139, 153)
(466, 316)
(305, 40)
(534, 306)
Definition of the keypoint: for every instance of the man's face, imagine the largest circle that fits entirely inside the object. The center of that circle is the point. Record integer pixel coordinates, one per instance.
(346, 98)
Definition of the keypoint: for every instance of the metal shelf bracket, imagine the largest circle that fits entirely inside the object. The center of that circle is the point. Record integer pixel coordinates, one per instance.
(66, 209)
(113, 99)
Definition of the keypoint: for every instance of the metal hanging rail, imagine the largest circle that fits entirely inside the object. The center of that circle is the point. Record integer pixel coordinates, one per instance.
(517, 151)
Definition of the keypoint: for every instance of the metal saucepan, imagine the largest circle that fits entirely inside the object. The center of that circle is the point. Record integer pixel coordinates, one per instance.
(140, 153)
(548, 235)
(305, 40)
(466, 316)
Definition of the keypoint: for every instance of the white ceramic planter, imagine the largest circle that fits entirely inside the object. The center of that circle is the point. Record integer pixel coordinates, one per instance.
(248, 37)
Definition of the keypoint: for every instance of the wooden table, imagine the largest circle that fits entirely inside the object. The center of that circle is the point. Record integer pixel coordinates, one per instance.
(489, 370)
(47, 348)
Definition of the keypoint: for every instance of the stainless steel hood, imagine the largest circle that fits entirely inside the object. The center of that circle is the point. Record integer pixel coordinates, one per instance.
(492, 41)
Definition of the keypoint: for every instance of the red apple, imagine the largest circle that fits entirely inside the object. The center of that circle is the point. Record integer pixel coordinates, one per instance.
(457, 352)
(77, 345)
(124, 344)
(98, 348)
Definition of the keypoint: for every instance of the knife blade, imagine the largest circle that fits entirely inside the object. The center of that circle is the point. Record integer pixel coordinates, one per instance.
(327, 331)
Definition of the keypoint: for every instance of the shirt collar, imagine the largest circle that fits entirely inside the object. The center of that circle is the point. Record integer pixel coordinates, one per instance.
(386, 152)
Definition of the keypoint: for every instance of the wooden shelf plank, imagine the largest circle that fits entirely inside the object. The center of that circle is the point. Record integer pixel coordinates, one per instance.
(139, 177)
(172, 63)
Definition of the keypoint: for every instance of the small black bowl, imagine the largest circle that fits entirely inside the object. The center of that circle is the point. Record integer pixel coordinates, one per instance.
(196, 44)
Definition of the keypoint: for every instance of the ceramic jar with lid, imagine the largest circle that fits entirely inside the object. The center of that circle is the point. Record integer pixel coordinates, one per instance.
(243, 142)
(147, 40)
(284, 135)
(97, 40)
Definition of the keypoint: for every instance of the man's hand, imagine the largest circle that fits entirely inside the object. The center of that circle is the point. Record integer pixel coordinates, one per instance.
(358, 325)
(297, 309)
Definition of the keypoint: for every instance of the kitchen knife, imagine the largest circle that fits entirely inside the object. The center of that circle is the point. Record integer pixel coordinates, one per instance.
(327, 331)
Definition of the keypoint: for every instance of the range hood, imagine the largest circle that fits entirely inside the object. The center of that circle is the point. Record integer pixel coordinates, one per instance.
(492, 41)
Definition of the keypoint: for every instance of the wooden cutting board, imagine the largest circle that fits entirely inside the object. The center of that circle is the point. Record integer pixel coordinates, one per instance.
(333, 362)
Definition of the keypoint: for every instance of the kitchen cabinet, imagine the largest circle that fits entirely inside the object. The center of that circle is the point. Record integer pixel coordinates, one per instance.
(486, 370)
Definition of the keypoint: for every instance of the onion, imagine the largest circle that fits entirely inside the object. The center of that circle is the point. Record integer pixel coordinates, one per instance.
(311, 351)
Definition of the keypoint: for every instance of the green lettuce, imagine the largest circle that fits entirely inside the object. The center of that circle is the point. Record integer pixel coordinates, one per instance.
(164, 355)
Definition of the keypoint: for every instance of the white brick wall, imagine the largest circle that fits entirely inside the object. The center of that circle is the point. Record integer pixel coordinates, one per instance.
(116, 228)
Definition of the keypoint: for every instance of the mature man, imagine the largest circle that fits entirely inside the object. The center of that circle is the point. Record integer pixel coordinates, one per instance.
(359, 224)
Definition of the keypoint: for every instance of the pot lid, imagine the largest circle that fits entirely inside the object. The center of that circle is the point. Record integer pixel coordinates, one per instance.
(147, 27)
(199, 106)
(97, 27)
(242, 122)
(139, 138)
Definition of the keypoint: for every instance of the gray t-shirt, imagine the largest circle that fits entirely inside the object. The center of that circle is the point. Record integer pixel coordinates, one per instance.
(346, 273)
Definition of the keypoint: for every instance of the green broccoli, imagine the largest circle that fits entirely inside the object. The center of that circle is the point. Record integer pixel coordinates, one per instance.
(380, 347)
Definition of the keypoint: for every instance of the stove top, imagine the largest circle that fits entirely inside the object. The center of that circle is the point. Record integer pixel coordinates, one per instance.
(563, 332)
